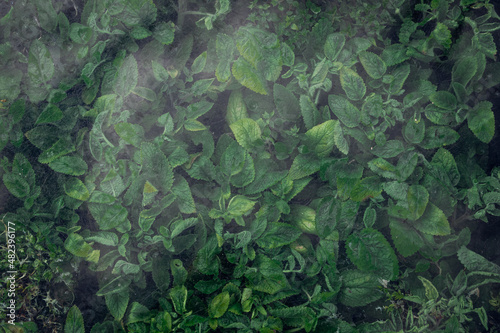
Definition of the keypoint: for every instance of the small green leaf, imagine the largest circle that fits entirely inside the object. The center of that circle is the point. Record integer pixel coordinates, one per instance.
(247, 132)
(138, 313)
(108, 217)
(352, 84)
(464, 70)
(79, 33)
(74, 321)
(10, 80)
(320, 138)
(199, 63)
(225, 49)
(218, 305)
(304, 165)
(439, 136)
(50, 114)
(194, 125)
(433, 222)
(132, 134)
(444, 100)
(248, 76)
(77, 246)
(430, 291)
(373, 64)
(164, 32)
(240, 205)
(418, 197)
(347, 113)
(178, 295)
(117, 303)
(183, 195)
(359, 288)
(414, 131)
(278, 235)
(126, 77)
(40, 64)
(145, 93)
(16, 185)
(333, 45)
(74, 188)
(236, 108)
(286, 102)
(69, 165)
(159, 72)
(481, 121)
(310, 113)
(442, 35)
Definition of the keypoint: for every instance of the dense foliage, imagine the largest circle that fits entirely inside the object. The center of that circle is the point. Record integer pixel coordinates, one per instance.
(249, 166)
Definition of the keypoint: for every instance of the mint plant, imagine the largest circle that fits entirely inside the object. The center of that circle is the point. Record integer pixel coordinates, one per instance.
(280, 173)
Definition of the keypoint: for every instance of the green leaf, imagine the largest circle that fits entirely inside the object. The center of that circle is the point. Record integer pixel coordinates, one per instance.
(139, 32)
(286, 102)
(433, 222)
(481, 121)
(126, 77)
(138, 313)
(248, 76)
(359, 288)
(156, 167)
(69, 165)
(219, 304)
(161, 272)
(194, 125)
(438, 136)
(50, 114)
(47, 16)
(304, 165)
(270, 278)
(74, 188)
(16, 184)
(80, 34)
(442, 35)
(145, 93)
(418, 197)
(430, 291)
(340, 141)
(117, 303)
(164, 32)
(137, 12)
(333, 45)
(485, 43)
(400, 74)
(183, 195)
(104, 237)
(414, 131)
(371, 252)
(159, 72)
(278, 235)
(239, 205)
(320, 138)
(390, 149)
(464, 70)
(178, 295)
(310, 113)
(373, 64)
(347, 113)
(74, 321)
(406, 239)
(475, 262)
(10, 79)
(446, 161)
(77, 246)
(352, 84)
(116, 285)
(236, 108)
(132, 134)
(58, 149)
(383, 168)
(108, 217)
(199, 63)
(40, 64)
(444, 100)
(247, 132)
(225, 49)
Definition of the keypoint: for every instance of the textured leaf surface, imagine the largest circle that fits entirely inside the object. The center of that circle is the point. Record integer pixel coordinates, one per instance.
(126, 77)
(321, 138)
(358, 288)
(246, 131)
(248, 76)
(373, 64)
(481, 121)
(347, 113)
(352, 84)
(74, 321)
(433, 222)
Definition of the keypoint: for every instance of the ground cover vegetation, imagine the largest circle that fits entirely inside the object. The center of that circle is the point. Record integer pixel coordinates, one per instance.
(250, 166)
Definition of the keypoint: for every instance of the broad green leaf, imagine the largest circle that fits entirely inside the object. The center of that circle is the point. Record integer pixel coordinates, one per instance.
(265, 177)
(248, 76)
(414, 131)
(16, 184)
(178, 295)
(438, 115)
(287, 55)
(159, 72)
(347, 113)
(50, 114)
(236, 108)
(233, 159)
(270, 278)
(183, 195)
(359, 288)
(116, 285)
(383, 168)
(40, 64)
(481, 121)
(117, 303)
(124, 267)
(368, 187)
(369, 217)
(406, 239)
(304, 165)
(156, 166)
(10, 79)
(108, 217)
(320, 138)
(444, 100)
(126, 77)
(400, 74)
(247, 174)
(475, 262)
(199, 63)
(446, 160)
(240, 205)
(69, 165)
(225, 49)
(104, 237)
(77, 246)
(74, 321)
(80, 34)
(101, 197)
(138, 313)
(390, 149)
(486, 44)
(373, 64)
(247, 132)
(286, 102)
(47, 15)
(164, 32)
(333, 45)
(464, 70)
(439, 136)
(352, 84)
(310, 113)
(371, 252)
(206, 261)
(417, 197)
(219, 304)
(198, 109)
(340, 141)
(194, 125)
(137, 12)
(145, 93)
(278, 235)
(132, 134)
(139, 32)
(433, 222)
(74, 188)
(430, 291)
(161, 272)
